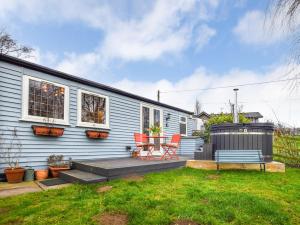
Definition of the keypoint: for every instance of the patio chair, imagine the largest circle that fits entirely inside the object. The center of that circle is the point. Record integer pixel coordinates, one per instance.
(170, 149)
(142, 143)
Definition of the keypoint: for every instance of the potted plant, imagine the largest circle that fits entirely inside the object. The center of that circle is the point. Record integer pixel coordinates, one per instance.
(10, 153)
(155, 130)
(41, 174)
(96, 134)
(56, 164)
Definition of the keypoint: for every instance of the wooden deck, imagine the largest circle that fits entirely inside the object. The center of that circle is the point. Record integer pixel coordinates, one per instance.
(108, 169)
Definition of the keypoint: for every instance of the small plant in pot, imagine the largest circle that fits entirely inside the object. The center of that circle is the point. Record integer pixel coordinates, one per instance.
(155, 130)
(56, 164)
(10, 151)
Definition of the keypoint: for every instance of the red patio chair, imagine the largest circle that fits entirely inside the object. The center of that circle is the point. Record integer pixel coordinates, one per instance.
(171, 148)
(142, 143)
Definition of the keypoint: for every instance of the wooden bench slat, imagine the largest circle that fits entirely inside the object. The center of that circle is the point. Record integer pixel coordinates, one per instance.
(239, 156)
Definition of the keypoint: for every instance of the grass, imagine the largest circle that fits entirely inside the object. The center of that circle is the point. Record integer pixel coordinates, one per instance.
(232, 197)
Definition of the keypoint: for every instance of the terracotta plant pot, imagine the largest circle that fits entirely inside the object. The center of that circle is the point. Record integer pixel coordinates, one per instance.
(41, 174)
(56, 131)
(41, 130)
(94, 134)
(55, 170)
(134, 154)
(14, 175)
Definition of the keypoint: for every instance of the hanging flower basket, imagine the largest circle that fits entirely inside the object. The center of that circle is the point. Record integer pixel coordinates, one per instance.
(47, 131)
(95, 134)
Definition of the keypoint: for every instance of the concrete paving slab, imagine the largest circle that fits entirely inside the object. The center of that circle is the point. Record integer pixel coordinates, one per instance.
(7, 190)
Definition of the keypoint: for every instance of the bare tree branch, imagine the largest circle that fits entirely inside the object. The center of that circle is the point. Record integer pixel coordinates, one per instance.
(9, 46)
(287, 12)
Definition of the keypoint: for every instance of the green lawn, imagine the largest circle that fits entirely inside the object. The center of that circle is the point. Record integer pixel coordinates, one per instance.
(233, 197)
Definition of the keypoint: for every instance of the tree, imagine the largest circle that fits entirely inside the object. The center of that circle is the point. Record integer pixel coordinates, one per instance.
(288, 12)
(198, 107)
(290, 7)
(9, 46)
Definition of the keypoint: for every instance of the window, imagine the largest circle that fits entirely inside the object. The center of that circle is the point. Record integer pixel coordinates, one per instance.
(93, 110)
(44, 101)
(150, 116)
(145, 120)
(183, 125)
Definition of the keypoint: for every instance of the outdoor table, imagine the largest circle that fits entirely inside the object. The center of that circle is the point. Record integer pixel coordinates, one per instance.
(156, 137)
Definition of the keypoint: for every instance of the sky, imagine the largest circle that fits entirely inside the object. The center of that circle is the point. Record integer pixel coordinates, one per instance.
(173, 46)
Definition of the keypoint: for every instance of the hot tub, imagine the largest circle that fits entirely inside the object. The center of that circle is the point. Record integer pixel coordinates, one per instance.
(244, 136)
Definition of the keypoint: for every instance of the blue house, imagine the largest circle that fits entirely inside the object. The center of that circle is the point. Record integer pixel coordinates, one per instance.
(31, 94)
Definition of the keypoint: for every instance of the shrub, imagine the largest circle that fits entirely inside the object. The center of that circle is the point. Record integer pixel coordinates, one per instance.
(286, 148)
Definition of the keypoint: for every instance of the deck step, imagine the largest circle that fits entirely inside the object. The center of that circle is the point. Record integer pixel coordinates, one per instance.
(78, 176)
(117, 168)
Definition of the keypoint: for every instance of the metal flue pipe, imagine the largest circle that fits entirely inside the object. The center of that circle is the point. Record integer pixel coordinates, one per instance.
(235, 113)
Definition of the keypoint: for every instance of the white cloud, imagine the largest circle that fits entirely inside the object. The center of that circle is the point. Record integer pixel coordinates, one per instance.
(204, 34)
(165, 29)
(266, 99)
(39, 57)
(59, 11)
(160, 32)
(258, 27)
(90, 65)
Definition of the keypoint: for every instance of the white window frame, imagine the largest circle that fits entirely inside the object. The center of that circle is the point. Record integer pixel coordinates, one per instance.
(87, 124)
(151, 107)
(180, 122)
(40, 119)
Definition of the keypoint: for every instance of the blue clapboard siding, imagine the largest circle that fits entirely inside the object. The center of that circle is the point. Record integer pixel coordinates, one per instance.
(190, 144)
(124, 121)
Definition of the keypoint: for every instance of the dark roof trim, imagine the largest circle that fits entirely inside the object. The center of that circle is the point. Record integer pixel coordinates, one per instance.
(252, 115)
(43, 69)
(203, 114)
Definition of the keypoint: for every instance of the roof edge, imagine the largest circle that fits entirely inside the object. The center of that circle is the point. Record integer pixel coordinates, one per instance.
(44, 69)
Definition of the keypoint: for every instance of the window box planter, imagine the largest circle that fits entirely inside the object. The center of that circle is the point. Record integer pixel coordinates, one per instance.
(14, 175)
(95, 134)
(56, 169)
(47, 131)
(56, 131)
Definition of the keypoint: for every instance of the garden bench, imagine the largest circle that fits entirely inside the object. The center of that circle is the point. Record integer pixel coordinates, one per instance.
(241, 157)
